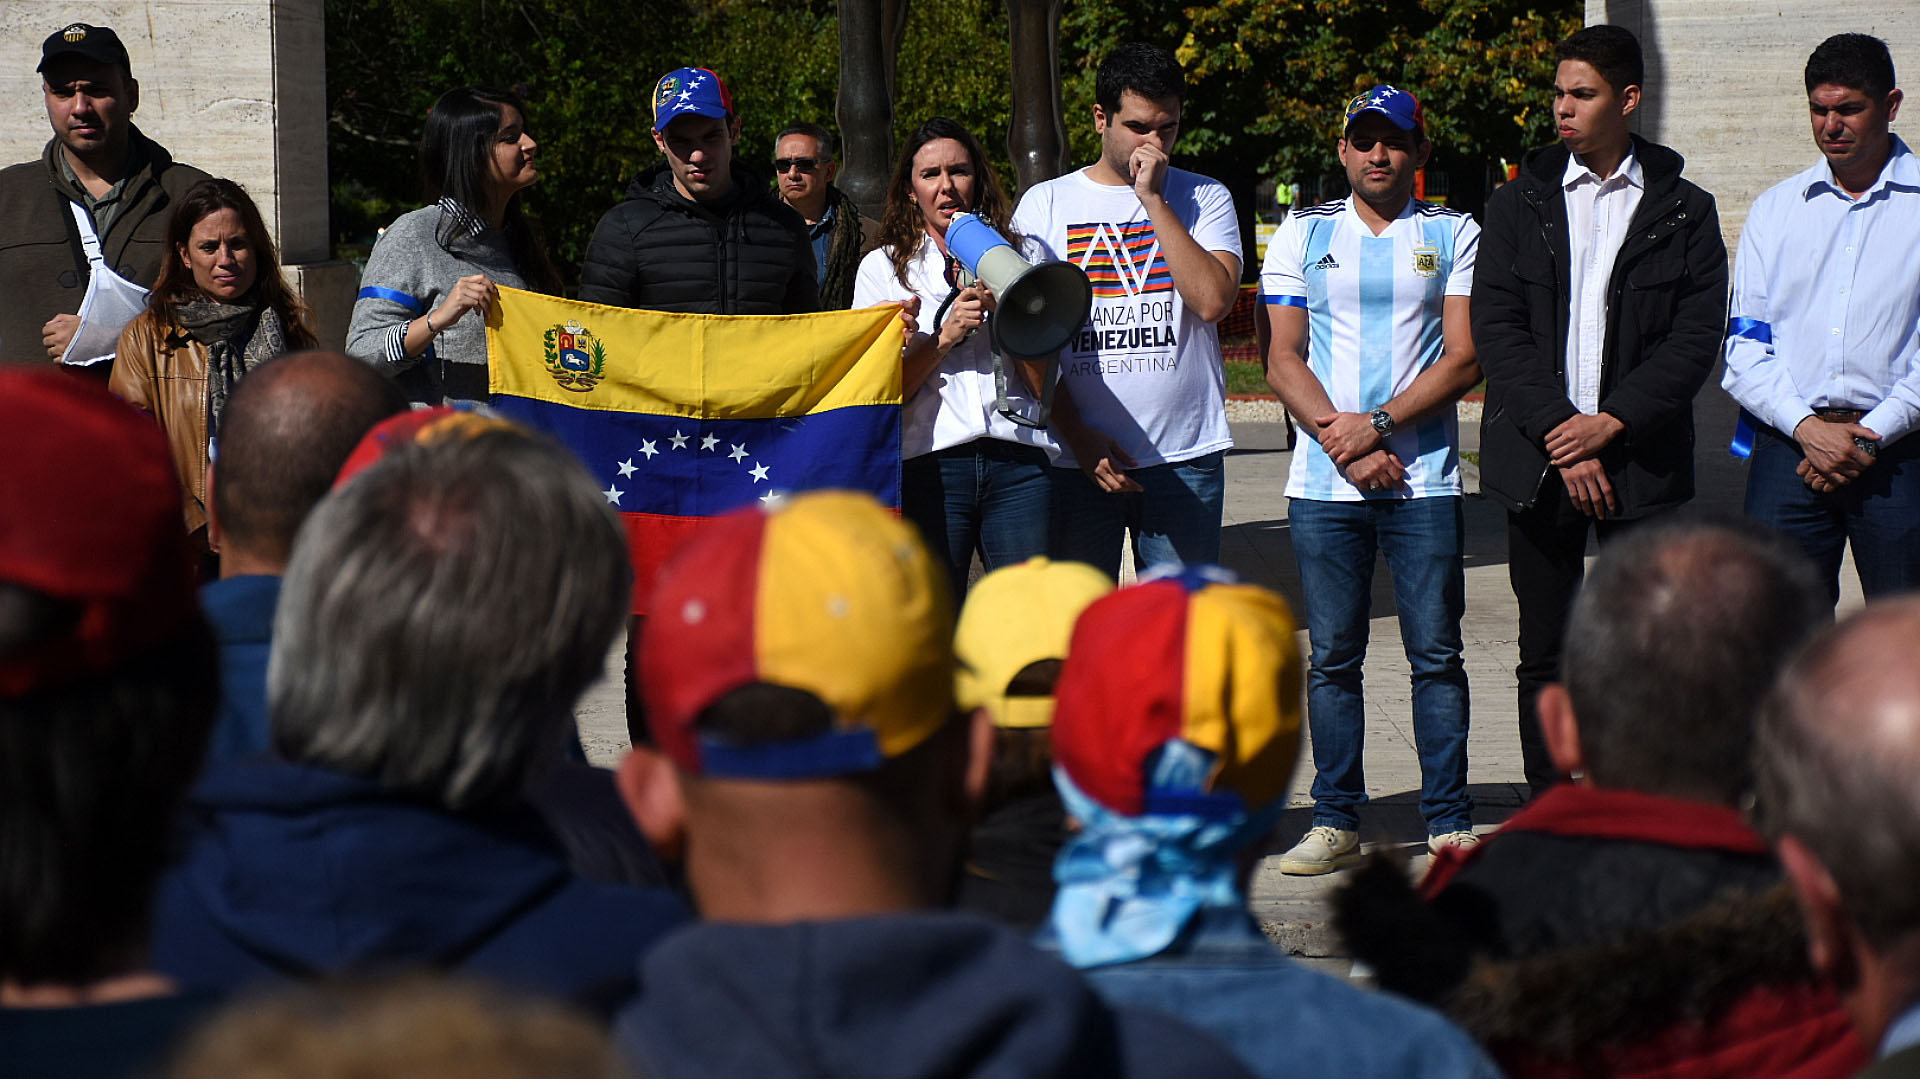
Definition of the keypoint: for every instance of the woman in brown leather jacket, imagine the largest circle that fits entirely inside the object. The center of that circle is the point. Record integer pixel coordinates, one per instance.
(219, 309)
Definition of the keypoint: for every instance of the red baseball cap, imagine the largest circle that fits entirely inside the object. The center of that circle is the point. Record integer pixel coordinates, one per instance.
(90, 515)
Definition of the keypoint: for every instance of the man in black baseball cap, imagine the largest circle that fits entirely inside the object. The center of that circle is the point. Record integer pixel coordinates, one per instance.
(96, 43)
(83, 229)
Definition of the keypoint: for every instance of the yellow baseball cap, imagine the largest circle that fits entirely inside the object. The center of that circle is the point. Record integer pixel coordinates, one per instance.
(1015, 617)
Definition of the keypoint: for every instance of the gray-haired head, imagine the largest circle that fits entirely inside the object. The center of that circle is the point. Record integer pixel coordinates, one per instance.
(1672, 642)
(441, 614)
(1836, 758)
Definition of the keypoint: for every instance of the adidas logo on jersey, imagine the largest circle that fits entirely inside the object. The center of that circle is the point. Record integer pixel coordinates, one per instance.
(1326, 262)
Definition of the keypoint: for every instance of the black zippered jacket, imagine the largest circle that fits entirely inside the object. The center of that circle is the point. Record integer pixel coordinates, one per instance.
(663, 251)
(1666, 317)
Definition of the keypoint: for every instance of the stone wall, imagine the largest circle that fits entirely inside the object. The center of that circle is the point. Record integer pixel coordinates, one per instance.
(237, 88)
(1725, 82)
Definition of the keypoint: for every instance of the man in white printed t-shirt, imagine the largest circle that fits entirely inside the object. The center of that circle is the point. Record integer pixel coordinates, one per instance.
(1371, 347)
(1141, 407)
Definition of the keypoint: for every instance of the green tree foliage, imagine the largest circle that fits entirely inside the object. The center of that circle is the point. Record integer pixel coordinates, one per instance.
(587, 69)
(1268, 78)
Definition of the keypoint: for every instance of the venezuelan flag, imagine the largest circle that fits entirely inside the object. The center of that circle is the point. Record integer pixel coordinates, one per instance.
(684, 417)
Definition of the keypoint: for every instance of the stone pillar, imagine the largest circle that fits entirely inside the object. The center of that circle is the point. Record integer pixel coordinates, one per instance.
(236, 89)
(1725, 83)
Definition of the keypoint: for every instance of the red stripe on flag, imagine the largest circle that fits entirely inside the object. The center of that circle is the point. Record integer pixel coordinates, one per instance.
(651, 540)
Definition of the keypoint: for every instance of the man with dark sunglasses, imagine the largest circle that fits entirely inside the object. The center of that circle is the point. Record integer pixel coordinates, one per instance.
(803, 171)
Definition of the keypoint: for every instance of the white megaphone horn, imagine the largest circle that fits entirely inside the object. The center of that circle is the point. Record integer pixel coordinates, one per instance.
(1038, 306)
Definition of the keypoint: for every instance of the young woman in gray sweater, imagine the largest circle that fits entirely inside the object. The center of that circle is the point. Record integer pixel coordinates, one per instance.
(421, 313)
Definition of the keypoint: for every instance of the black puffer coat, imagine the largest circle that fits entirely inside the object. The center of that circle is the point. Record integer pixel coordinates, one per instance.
(663, 251)
(1666, 317)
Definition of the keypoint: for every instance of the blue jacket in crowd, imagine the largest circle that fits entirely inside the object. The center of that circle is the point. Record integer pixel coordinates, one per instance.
(240, 609)
(910, 996)
(292, 870)
(1226, 978)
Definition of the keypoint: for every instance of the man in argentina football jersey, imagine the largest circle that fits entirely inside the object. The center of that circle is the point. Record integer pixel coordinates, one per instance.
(1371, 347)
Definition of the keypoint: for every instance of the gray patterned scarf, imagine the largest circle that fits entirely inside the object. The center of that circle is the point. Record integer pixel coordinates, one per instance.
(238, 337)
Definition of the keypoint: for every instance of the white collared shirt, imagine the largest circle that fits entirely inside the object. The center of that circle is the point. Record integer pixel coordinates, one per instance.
(1599, 210)
(1826, 300)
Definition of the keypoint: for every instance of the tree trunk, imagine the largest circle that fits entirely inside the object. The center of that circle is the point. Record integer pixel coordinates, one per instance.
(870, 36)
(1037, 133)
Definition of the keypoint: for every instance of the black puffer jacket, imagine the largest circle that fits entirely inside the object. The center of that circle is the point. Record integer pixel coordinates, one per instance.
(1666, 316)
(663, 251)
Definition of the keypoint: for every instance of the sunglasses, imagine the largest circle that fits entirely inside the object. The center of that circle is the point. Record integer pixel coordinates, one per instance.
(804, 164)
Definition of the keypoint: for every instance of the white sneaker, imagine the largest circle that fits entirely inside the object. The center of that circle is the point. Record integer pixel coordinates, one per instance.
(1462, 840)
(1322, 850)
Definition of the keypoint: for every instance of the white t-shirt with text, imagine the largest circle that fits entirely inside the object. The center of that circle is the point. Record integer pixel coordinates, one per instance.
(1144, 370)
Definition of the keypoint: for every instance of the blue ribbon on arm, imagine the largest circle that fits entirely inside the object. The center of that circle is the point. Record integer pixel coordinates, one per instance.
(1742, 444)
(375, 292)
(1753, 330)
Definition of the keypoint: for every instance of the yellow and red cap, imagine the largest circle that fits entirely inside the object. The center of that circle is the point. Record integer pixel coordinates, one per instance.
(1193, 656)
(827, 592)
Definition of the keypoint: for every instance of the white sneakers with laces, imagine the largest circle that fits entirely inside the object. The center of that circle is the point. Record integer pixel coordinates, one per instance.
(1322, 850)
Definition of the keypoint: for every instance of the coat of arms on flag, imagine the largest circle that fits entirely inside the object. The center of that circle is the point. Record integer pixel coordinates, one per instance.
(575, 358)
(684, 417)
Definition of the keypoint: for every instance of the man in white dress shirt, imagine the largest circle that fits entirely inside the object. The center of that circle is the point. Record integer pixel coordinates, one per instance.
(1599, 300)
(1823, 346)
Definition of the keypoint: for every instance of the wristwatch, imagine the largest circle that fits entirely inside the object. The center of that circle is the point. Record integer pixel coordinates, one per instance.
(1382, 421)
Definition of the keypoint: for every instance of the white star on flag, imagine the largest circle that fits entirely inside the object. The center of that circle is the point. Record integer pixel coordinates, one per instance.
(759, 471)
(770, 496)
(626, 468)
(739, 452)
(686, 95)
(613, 494)
(709, 442)
(679, 441)
(647, 447)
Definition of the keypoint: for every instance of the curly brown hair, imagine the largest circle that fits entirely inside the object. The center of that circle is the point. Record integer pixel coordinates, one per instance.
(900, 222)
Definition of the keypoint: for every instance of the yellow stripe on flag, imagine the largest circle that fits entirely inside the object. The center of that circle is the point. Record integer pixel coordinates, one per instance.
(617, 359)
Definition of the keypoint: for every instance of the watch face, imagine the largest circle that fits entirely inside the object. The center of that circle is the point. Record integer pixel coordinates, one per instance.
(1382, 422)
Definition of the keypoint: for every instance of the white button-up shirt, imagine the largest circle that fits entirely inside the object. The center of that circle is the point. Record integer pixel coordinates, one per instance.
(1826, 301)
(1599, 209)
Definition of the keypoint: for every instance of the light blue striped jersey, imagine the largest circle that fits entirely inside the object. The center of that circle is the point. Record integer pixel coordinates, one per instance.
(1374, 307)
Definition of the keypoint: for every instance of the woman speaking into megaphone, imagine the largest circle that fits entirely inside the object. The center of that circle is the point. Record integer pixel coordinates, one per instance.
(976, 476)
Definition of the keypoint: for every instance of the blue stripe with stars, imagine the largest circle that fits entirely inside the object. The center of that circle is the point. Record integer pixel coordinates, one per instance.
(686, 467)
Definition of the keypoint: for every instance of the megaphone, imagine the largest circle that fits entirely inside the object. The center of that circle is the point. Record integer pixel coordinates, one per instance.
(1039, 306)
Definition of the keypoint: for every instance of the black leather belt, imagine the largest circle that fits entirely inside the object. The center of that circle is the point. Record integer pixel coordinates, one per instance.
(1840, 415)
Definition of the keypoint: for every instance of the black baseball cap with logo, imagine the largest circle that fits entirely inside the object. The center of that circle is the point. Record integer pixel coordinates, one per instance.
(96, 43)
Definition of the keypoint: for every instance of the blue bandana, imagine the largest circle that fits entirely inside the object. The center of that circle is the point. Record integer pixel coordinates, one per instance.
(1128, 886)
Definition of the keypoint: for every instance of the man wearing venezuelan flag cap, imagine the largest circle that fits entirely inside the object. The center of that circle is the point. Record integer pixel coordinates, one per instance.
(1371, 347)
(1175, 728)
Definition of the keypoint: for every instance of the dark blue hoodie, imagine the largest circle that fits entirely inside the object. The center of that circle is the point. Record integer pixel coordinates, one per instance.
(911, 996)
(292, 871)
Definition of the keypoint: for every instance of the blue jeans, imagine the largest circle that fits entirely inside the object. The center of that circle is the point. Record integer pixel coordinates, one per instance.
(987, 494)
(1879, 513)
(1175, 519)
(1423, 539)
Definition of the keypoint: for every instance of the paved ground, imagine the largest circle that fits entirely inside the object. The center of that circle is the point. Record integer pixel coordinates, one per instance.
(1257, 545)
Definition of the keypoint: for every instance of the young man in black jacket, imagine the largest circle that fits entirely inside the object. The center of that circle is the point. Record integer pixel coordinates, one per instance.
(1599, 302)
(699, 233)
